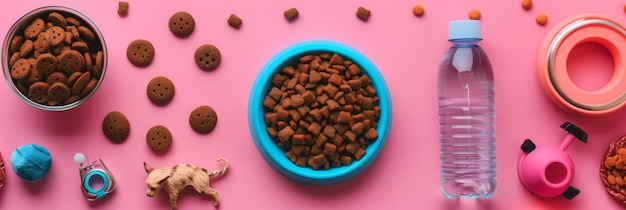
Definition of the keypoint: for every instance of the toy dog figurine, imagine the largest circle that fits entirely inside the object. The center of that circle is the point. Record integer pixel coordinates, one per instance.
(175, 178)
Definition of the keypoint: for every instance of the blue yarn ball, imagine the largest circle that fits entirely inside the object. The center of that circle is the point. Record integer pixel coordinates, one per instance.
(31, 162)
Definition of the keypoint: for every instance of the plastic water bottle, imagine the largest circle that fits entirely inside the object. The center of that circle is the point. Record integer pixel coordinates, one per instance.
(466, 115)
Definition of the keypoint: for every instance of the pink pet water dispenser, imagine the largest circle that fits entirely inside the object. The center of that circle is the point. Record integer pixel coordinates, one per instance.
(547, 170)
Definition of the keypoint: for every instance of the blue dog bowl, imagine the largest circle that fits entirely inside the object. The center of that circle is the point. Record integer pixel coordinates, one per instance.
(274, 155)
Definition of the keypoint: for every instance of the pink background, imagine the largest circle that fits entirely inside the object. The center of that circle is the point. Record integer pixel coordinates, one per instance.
(407, 49)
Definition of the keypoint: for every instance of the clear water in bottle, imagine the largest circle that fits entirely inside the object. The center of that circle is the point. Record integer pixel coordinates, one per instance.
(466, 115)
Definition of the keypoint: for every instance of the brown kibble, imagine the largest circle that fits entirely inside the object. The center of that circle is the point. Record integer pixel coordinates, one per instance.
(621, 151)
(315, 128)
(234, 21)
(616, 172)
(292, 157)
(611, 179)
(291, 14)
(619, 180)
(344, 117)
(542, 19)
(122, 8)
(329, 149)
(301, 161)
(285, 134)
(345, 160)
(418, 10)
(370, 134)
(363, 14)
(527, 4)
(619, 164)
(317, 161)
(609, 163)
(297, 100)
(474, 14)
(329, 131)
(268, 102)
(359, 154)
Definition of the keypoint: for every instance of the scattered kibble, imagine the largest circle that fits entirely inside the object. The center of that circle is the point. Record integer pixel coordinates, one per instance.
(234, 21)
(542, 19)
(363, 14)
(418, 10)
(291, 14)
(615, 167)
(122, 8)
(527, 4)
(474, 14)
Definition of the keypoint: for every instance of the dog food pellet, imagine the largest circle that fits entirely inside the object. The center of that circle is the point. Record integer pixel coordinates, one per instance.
(418, 10)
(160, 90)
(122, 8)
(207, 57)
(159, 138)
(363, 14)
(53, 48)
(291, 14)
(322, 110)
(140, 52)
(527, 4)
(234, 21)
(474, 14)
(116, 127)
(203, 119)
(542, 19)
(182, 24)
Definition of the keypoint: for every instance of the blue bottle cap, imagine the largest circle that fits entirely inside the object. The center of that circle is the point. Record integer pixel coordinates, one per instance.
(464, 29)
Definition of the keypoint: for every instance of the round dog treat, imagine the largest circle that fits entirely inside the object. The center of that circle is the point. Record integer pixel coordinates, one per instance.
(99, 64)
(122, 8)
(291, 14)
(14, 57)
(159, 138)
(182, 24)
(203, 119)
(56, 77)
(80, 83)
(57, 35)
(542, 19)
(16, 43)
(71, 61)
(363, 14)
(140, 52)
(234, 21)
(90, 86)
(46, 63)
(86, 33)
(58, 92)
(116, 127)
(527, 4)
(418, 10)
(208, 57)
(57, 19)
(20, 69)
(80, 46)
(36, 27)
(42, 44)
(26, 48)
(72, 21)
(160, 90)
(38, 92)
(31, 162)
(474, 14)
(73, 77)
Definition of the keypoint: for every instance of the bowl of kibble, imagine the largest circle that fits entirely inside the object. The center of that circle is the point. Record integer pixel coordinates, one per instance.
(54, 58)
(319, 112)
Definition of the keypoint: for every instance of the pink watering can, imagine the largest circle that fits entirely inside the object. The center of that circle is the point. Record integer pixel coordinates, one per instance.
(547, 170)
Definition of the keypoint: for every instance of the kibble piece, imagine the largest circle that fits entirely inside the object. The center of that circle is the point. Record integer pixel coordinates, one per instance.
(474, 14)
(527, 4)
(234, 21)
(619, 180)
(542, 19)
(291, 14)
(363, 14)
(122, 8)
(418, 10)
